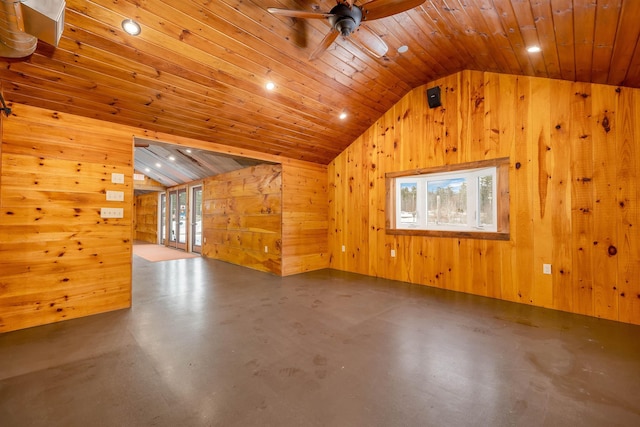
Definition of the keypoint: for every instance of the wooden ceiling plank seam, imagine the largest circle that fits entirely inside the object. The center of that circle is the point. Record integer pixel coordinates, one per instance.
(455, 13)
(82, 51)
(632, 78)
(174, 44)
(175, 96)
(447, 25)
(485, 22)
(543, 19)
(338, 56)
(446, 52)
(607, 19)
(512, 30)
(626, 42)
(237, 33)
(529, 31)
(287, 112)
(443, 48)
(401, 29)
(419, 27)
(151, 82)
(249, 94)
(304, 148)
(562, 13)
(425, 62)
(514, 55)
(251, 50)
(180, 119)
(384, 74)
(584, 23)
(441, 41)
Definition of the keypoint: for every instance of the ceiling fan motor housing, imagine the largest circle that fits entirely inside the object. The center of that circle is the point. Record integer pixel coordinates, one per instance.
(345, 19)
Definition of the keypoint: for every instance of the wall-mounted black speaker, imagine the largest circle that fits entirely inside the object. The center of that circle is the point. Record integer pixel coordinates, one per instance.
(433, 97)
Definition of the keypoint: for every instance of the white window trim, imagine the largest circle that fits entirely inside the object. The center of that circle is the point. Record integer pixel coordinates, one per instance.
(499, 169)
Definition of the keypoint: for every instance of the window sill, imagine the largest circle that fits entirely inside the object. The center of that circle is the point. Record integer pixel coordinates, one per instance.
(453, 234)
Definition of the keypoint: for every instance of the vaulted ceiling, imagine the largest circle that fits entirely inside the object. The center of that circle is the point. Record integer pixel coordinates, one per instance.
(199, 67)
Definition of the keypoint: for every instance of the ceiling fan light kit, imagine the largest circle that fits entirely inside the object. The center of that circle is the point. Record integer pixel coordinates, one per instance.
(345, 18)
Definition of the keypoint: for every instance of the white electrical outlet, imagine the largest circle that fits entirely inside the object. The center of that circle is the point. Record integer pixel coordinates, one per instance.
(111, 213)
(344, 248)
(117, 178)
(266, 249)
(393, 253)
(115, 196)
(546, 268)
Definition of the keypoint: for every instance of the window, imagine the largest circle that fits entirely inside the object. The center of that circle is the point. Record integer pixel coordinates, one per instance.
(466, 200)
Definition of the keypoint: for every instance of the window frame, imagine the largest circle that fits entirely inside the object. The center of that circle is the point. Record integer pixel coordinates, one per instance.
(501, 192)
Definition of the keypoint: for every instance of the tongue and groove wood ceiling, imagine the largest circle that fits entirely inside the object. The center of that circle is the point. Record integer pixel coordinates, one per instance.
(199, 67)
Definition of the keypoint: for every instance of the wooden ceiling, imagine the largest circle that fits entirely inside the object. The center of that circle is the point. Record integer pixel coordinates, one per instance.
(199, 67)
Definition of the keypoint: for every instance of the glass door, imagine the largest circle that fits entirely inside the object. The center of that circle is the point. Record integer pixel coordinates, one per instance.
(162, 224)
(196, 219)
(173, 219)
(178, 219)
(182, 219)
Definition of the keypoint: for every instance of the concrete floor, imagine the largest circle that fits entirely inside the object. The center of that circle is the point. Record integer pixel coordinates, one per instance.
(211, 344)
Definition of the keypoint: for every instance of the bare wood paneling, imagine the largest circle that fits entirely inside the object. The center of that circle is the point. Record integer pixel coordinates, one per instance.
(59, 259)
(146, 217)
(573, 186)
(304, 219)
(242, 215)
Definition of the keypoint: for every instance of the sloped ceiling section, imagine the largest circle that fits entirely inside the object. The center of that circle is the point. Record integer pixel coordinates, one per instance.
(199, 68)
(173, 165)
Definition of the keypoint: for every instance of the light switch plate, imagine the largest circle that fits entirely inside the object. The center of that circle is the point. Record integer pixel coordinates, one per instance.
(546, 268)
(115, 196)
(117, 178)
(111, 212)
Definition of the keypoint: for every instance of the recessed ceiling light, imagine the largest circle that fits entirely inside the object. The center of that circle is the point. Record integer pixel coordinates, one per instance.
(534, 49)
(270, 85)
(188, 150)
(343, 115)
(131, 27)
(158, 165)
(147, 169)
(172, 158)
(403, 49)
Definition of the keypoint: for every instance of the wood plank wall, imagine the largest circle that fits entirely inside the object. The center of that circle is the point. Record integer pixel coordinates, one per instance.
(58, 258)
(146, 217)
(574, 153)
(304, 218)
(242, 214)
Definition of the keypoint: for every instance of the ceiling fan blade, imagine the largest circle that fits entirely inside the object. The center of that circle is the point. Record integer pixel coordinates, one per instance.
(298, 13)
(325, 43)
(377, 9)
(369, 41)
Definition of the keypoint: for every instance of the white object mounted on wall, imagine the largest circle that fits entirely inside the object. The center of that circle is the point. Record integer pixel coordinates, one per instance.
(44, 19)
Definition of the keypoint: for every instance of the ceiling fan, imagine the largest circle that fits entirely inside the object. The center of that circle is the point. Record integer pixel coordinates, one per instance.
(345, 19)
